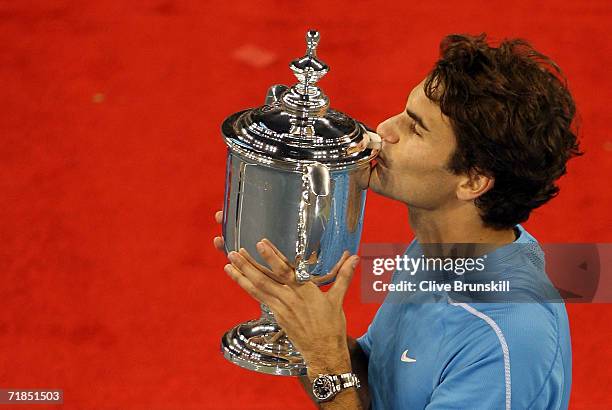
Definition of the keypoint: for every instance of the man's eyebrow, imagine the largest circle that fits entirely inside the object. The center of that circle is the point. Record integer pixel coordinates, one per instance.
(416, 118)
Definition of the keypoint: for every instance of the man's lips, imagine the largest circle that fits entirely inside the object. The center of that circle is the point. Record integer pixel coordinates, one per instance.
(378, 165)
(381, 160)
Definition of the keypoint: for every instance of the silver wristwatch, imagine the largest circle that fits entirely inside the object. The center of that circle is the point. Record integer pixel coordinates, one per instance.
(326, 386)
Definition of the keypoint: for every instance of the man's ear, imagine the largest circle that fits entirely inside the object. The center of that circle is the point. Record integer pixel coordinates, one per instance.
(474, 184)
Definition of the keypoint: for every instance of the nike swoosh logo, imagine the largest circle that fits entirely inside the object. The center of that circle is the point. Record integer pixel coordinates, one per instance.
(407, 359)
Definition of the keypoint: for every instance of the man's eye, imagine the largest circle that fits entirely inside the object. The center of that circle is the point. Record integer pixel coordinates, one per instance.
(413, 128)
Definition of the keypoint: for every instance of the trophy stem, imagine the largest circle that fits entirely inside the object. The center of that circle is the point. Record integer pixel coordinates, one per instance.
(262, 345)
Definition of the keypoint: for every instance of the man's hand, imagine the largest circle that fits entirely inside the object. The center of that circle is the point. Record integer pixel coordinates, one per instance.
(313, 320)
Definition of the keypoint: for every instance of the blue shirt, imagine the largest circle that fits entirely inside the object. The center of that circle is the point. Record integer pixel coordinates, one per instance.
(449, 354)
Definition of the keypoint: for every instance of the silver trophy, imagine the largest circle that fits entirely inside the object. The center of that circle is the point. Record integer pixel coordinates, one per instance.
(297, 173)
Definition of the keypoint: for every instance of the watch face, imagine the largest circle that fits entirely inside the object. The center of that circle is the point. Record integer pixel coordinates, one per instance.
(322, 387)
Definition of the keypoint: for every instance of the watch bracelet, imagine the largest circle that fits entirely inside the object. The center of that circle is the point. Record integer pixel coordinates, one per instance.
(346, 380)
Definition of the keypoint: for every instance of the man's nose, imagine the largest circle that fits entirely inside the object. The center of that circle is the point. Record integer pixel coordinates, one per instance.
(387, 131)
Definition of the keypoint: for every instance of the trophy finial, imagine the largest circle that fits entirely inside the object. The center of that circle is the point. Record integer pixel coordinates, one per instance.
(312, 41)
(305, 100)
(309, 69)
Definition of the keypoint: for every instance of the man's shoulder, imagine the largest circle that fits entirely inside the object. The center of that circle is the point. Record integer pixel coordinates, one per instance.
(524, 326)
(530, 341)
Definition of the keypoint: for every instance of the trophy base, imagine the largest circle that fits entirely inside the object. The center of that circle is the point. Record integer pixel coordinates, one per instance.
(261, 345)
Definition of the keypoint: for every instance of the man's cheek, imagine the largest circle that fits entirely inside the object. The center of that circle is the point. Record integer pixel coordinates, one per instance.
(386, 184)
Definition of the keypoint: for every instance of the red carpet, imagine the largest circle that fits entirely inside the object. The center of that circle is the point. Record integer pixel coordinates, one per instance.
(112, 166)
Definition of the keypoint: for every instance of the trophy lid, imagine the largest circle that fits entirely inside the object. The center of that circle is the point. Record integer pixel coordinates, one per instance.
(296, 125)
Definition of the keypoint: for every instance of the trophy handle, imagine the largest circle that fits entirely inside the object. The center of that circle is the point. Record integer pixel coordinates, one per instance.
(275, 93)
(372, 139)
(316, 187)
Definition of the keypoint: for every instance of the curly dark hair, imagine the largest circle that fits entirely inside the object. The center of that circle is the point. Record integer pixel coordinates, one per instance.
(512, 115)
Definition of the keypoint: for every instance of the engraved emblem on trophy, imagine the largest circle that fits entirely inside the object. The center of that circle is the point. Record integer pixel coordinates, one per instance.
(296, 174)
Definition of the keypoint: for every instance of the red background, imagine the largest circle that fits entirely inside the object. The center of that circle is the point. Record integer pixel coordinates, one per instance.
(112, 166)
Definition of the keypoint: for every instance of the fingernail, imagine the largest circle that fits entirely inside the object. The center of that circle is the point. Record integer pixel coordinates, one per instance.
(233, 256)
(355, 262)
(228, 268)
(260, 247)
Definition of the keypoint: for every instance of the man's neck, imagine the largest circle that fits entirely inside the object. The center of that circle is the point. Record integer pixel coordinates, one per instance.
(461, 224)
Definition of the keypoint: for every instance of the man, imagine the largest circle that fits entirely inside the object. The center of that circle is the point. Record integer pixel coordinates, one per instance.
(479, 145)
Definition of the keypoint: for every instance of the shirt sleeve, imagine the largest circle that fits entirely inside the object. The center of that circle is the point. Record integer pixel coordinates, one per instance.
(365, 342)
(367, 339)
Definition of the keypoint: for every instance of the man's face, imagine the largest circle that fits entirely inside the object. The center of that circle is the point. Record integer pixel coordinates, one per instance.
(417, 145)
